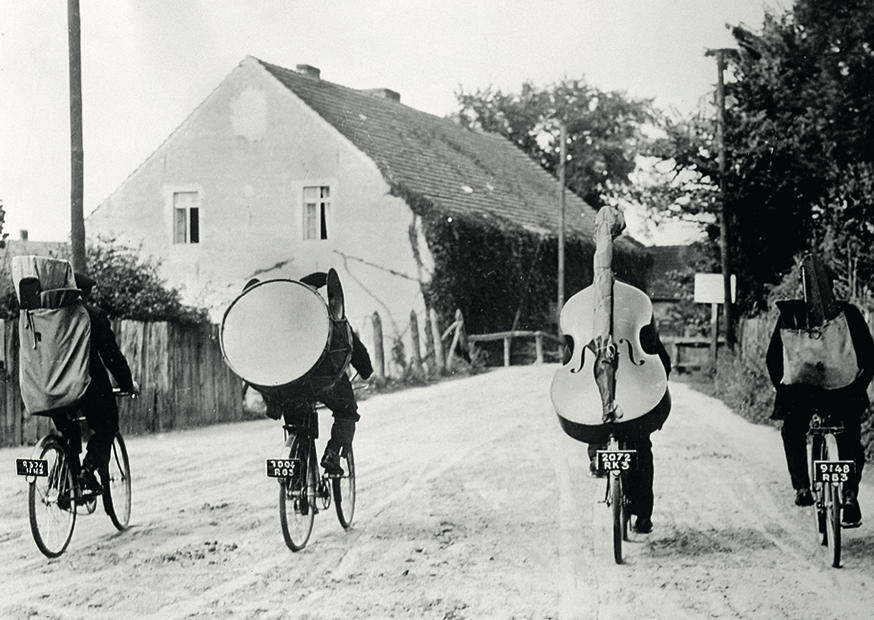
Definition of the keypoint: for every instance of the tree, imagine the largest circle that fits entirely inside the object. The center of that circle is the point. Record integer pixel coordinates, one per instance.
(799, 125)
(604, 131)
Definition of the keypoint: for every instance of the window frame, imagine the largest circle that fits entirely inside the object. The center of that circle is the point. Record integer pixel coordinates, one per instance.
(324, 211)
(196, 206)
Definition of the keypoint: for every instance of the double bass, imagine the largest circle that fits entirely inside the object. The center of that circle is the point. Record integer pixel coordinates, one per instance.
(611, 383)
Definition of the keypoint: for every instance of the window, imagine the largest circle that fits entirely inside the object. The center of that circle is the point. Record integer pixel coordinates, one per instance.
(316, 211)
(186, 217)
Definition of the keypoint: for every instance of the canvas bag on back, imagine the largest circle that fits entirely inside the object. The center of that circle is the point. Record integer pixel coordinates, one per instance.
(54, 342)
(820, 357)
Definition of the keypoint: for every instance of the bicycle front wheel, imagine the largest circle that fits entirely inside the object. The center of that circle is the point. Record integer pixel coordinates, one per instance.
(52, 501)
(296, 508)
(343, 488)
(617, 510)
(832, 500)
(117, 485)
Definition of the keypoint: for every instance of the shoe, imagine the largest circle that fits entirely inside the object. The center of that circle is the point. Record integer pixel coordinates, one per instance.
(331, 462)
(594, 472)
(643, 525)
(88, 482)
(803, 497)
(851, 514)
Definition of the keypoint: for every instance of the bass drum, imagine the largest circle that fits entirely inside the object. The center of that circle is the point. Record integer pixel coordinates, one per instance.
(280, 332)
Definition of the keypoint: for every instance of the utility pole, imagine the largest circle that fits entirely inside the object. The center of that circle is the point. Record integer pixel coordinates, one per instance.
(723, 209)
(561, 216)
(77, 216)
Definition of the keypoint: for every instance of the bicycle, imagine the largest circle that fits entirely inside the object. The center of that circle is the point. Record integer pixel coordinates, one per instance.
(304, 489)
(54, 495)
(827, 475)
(617, 461)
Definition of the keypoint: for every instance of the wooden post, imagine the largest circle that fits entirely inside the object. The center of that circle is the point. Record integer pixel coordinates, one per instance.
(538, 347)
(77, 220)
(430, 365)
(418, 372)
(561, 218)
(714, 333)
(456, 336)
(506, 351)
(378, 351)
(439, 360)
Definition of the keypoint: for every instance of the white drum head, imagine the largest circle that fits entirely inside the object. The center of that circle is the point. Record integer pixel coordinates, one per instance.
(275, 332)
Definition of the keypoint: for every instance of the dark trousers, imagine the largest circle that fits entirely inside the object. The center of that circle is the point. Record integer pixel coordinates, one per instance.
(293, 403)
(102, 417)
(794, 434)
(640, 479)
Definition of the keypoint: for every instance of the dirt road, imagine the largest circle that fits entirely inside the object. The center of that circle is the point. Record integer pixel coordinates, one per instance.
(472, 504)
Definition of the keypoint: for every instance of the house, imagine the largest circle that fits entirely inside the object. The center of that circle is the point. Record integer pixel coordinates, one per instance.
(279, 173)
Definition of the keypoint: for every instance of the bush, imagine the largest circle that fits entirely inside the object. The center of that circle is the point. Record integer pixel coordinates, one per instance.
(744, 386)
(130, 287)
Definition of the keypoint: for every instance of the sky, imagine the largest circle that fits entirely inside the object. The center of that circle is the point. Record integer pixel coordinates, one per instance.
(147, 64)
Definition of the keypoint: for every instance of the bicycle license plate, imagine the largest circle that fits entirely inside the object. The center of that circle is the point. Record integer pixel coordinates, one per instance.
(31, 467)
(616, 460)
(834, 472)
(281, 468)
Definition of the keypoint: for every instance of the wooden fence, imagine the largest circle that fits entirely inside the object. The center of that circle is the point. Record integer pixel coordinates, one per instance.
(179, 368)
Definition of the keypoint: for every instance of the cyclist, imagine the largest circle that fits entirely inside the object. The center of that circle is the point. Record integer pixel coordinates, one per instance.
(98, 403)
(796, 402)
(640, 480)
(293, 402)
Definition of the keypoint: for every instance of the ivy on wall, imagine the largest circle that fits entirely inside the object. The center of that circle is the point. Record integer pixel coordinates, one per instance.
(495, 271)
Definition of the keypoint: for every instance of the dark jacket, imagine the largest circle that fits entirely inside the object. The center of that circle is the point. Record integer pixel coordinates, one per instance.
(104, 355)
(851, 399)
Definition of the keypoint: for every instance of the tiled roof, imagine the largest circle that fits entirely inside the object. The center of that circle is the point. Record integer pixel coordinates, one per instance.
(457, 170)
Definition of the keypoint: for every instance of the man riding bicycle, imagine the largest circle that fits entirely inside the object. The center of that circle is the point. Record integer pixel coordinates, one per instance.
(293, 402)
(98, 403)
(799, 398)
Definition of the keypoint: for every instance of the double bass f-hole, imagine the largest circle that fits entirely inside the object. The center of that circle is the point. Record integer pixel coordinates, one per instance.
(631, 352)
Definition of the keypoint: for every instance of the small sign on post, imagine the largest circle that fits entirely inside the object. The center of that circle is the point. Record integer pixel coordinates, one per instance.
(710, 289)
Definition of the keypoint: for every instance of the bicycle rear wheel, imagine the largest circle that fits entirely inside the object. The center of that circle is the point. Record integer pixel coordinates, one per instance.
(617, 510)
(296, 498)
(343, 488)
(815, 454)
(117, 485)
(52, 501)
(832, 498)
(624, 515)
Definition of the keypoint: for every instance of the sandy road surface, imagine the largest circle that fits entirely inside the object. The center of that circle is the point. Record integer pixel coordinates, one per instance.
(472, 503)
